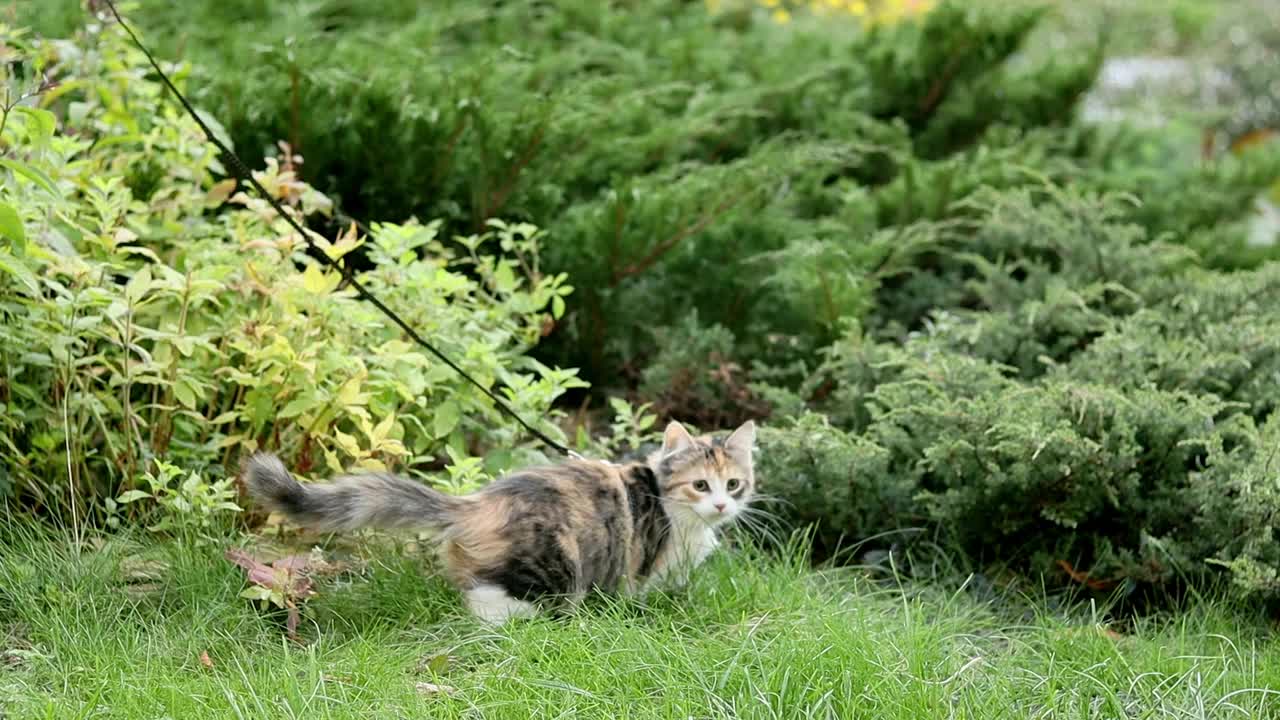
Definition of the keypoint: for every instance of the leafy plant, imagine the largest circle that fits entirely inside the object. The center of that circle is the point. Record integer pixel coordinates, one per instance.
(154, 312)
(283, 583)
(631, 426)
(183, 501)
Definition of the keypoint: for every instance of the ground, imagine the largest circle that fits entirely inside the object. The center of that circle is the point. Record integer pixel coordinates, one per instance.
(157, 629)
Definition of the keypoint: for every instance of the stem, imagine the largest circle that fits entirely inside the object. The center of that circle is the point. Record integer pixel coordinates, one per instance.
(129, 458)
(162, 432)
(4, 113)
(665, 246)
(498, 198)
(66, 429)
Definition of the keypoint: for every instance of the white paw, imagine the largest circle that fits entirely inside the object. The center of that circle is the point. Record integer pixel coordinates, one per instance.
(493, 605)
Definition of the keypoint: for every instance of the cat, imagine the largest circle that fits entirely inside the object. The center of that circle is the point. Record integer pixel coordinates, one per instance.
(544, 537)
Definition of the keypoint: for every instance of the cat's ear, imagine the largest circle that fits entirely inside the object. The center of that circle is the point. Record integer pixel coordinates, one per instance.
(740, 442)
(675, 438)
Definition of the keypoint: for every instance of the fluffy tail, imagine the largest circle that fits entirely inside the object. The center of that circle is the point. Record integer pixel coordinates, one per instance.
(348, 503)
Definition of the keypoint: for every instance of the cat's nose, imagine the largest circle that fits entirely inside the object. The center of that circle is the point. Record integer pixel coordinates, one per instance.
(718, 506)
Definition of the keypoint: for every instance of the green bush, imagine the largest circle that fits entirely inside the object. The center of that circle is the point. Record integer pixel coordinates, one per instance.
(1124, 428)
(1117, 482)
(968, 312)
(768, 176)
(661, 150)
(151, 312)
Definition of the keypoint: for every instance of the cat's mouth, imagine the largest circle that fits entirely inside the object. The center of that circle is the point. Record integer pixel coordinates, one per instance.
(716, 517)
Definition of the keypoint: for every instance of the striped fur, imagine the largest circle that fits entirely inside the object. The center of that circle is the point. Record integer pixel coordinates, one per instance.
(546, 536)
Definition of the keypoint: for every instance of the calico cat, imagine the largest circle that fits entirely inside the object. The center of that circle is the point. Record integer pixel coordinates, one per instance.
(544, 537)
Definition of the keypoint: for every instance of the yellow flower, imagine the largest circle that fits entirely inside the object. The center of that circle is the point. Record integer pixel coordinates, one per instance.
(781, 15)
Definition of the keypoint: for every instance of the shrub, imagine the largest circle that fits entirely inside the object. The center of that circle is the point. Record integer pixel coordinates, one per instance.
(153, 313)
(1142, 457)
(664, 184)
(1009, 472)
(759, 173)
(968, 311)
(1237, 501)
(769, 177)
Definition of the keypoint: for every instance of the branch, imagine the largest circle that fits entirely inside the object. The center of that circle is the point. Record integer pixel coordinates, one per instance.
(665, 246)
(938, 91)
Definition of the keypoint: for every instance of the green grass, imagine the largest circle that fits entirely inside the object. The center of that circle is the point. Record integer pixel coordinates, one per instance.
(752, 637)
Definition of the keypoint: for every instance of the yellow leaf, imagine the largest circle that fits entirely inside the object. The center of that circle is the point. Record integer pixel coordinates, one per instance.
(349, 393)
(394, 447)
(319, 282)
(366, 427)
(331, 460)
(371, 464)
(219, 193)
(347, 443)
(380, 432)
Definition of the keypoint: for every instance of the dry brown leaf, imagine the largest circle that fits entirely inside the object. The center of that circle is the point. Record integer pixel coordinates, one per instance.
(427, 688)
(1083, 577)
(204, 659)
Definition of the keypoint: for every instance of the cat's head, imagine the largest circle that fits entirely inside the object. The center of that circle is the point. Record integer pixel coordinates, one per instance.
(704, 478)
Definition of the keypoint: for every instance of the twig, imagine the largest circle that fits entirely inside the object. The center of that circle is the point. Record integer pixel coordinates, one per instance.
(665, 246)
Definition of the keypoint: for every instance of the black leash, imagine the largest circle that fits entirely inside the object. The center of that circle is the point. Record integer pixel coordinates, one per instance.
(241, 170)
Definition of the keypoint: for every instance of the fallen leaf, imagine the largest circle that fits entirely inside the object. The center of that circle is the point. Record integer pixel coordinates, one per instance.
(284, 579)
(292, 563)
(205, 661)
(241, 558)
(427, 688)
(141, 570)
(139, 590)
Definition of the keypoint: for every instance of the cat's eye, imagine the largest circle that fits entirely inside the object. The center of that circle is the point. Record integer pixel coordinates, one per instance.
(701, 485)
(733, 484)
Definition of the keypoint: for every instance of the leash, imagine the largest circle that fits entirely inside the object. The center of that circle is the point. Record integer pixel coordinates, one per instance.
(244, 174)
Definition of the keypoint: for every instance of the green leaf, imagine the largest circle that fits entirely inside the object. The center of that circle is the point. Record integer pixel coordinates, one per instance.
(42, 122)
(15, 267)
(185, 394)
(349, 393)
(35, 175)
(132, 495)
(256, 592)
(445, 419)
(11, 226)
(557, 307)
(504, 280)
(297, 406)
(138, 285)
